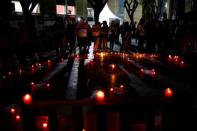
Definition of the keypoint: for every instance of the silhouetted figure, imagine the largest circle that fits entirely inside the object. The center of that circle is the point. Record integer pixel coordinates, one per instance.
(82, 32)
(141, 35)
(112, 34)
(71, 36)
(95, 34)
(104, 35)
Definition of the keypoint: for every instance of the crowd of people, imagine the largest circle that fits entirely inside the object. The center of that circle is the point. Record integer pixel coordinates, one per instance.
(68, 34)
(148, 36)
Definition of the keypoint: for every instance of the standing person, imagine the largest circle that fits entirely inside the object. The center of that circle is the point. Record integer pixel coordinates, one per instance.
(117, 33)
(95, 34)
(125, 34)
(141, 35)
(166, 35)
(89, 37)
(70, 35)
(82, 30)
(58, 30)
(133, 29)
(149, 35)
(112, 34)
(104, 35)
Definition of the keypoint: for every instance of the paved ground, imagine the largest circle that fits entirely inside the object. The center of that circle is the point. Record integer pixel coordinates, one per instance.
(78, 77)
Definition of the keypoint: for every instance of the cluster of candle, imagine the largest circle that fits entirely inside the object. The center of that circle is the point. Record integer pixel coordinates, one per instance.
(177, 60)
(143, 55)
(149, 72)
(15, 113)
(33, 69)
(117, 90)
(44, 85)
(100, 95)
(138, 55)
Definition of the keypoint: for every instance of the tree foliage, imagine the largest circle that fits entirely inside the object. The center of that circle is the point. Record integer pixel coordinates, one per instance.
(28, 5)
(157, 8)
(152, 8)
(98, 6)
(29, 21)
(130, 6)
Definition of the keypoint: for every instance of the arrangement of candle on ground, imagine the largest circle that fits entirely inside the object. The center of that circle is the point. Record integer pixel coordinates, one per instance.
(176, 60)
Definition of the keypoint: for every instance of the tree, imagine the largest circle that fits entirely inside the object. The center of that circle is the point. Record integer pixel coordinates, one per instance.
(152, 8)
(98, 6)
(27, 7)
(157, 8)
(130, 6)
(5, 9)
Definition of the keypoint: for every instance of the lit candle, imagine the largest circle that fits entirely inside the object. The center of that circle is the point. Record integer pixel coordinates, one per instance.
(111, 89)
(113, 79)
(121, 86)
(9, 73)
(153, 72)
(20, 72)
(27, 99)
(111, 92)
(18, 118)
(49, 63)
(100, 96)
(141, 72)
(113, 66)
(102, 56)
(40, 65)
(48, 86)
(168, 92)
(33, 86)
(12, 110)
(169, 56)
(45, 125)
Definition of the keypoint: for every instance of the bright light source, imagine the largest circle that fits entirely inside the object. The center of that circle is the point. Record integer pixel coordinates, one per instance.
(27, 99)
(113, 66)
(9, 73)
(49, 61)
(20, 71)
(102, 54)
(78, 18)
(111, 89)
(45, 125)
(100, 95)
(32, 83)
(12, 110)
(18, 118)
(168, 92)
(48, 84)
(153, 72)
